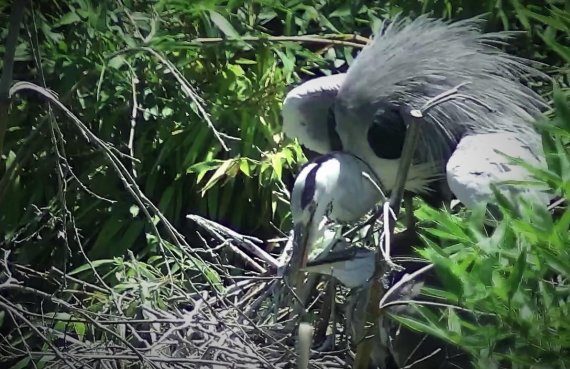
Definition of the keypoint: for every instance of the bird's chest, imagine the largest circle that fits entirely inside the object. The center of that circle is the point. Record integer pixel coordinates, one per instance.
(353, 199)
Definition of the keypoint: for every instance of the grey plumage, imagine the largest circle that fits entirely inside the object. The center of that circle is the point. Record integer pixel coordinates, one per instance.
(307, 110)
(408, 65)
(416, 60)
(335, 186)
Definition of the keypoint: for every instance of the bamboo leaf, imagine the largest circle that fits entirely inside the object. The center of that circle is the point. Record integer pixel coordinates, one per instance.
(223, 24)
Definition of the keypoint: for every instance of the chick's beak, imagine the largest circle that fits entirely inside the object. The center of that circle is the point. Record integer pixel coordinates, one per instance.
(352, 267)
(300, 249)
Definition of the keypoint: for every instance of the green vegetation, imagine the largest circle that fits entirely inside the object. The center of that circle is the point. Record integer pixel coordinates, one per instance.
(126, 116)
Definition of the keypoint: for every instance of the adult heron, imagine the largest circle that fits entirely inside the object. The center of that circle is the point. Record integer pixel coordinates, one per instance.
(407, 66)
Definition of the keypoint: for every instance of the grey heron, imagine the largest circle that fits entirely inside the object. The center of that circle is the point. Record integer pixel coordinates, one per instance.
(409, 64)
(336, 187)
(406, 67)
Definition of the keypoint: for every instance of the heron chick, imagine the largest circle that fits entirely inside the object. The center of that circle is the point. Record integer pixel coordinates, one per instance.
(336, 187)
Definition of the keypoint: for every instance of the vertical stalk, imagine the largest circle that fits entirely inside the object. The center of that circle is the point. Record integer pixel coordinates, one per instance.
(16, 15)
(413, 120)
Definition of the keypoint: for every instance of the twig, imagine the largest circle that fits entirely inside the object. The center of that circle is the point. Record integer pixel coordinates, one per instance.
(130, 145)
(389, 217)
(186, 88)
(78, 311)
(405, 279)
(215, 229)
(150, 358)
(301, 39)
(16, 17)
(556, 203)
(435, 352)
(431, 303)
(19, 315)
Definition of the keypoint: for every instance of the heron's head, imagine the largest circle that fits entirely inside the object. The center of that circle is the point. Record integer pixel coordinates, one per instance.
(308, 113)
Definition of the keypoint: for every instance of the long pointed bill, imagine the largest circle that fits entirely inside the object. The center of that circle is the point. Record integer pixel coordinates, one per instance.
(300, 253)
(301, 230)
(352, 267)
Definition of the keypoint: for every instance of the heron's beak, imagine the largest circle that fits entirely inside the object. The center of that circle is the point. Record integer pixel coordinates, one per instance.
(300, 248)
(352, 267)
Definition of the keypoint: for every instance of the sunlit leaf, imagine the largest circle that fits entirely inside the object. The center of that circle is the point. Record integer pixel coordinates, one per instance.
(223, 24)
(517, 274)
(93, 264)
(69, 18)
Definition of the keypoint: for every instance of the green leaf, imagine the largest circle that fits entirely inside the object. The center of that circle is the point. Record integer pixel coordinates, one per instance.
(68, 18)
(93, 264)
(423, 327)
(134, 210)
(444, 270)
(288, 61)
(10, 159)
(556, 262)
(223, 170)
(80, 329)
(245, 61)
(517, 274)
(117, 62)
(203, 168)
(277, 166)
(520, 11)
(503, 200)
(244, 167)
(223, 24)
(21, 364)
(343, 11)
(453, 321)
(562, 107)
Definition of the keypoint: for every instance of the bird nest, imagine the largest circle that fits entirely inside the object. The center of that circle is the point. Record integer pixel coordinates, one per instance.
(179, 310)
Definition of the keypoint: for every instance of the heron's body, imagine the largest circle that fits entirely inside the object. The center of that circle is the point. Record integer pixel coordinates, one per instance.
(411, 63)
(310, 103)
(408, 66)
(480, 160)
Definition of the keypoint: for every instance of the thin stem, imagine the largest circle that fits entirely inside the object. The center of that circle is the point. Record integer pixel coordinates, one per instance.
(8, 66)
(303, 39)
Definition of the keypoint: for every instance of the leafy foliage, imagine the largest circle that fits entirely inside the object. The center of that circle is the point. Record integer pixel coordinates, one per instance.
(187, 95)
(510, 275)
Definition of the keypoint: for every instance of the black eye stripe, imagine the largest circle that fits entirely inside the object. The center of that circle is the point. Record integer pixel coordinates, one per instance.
(309, 188)
(311, 180)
